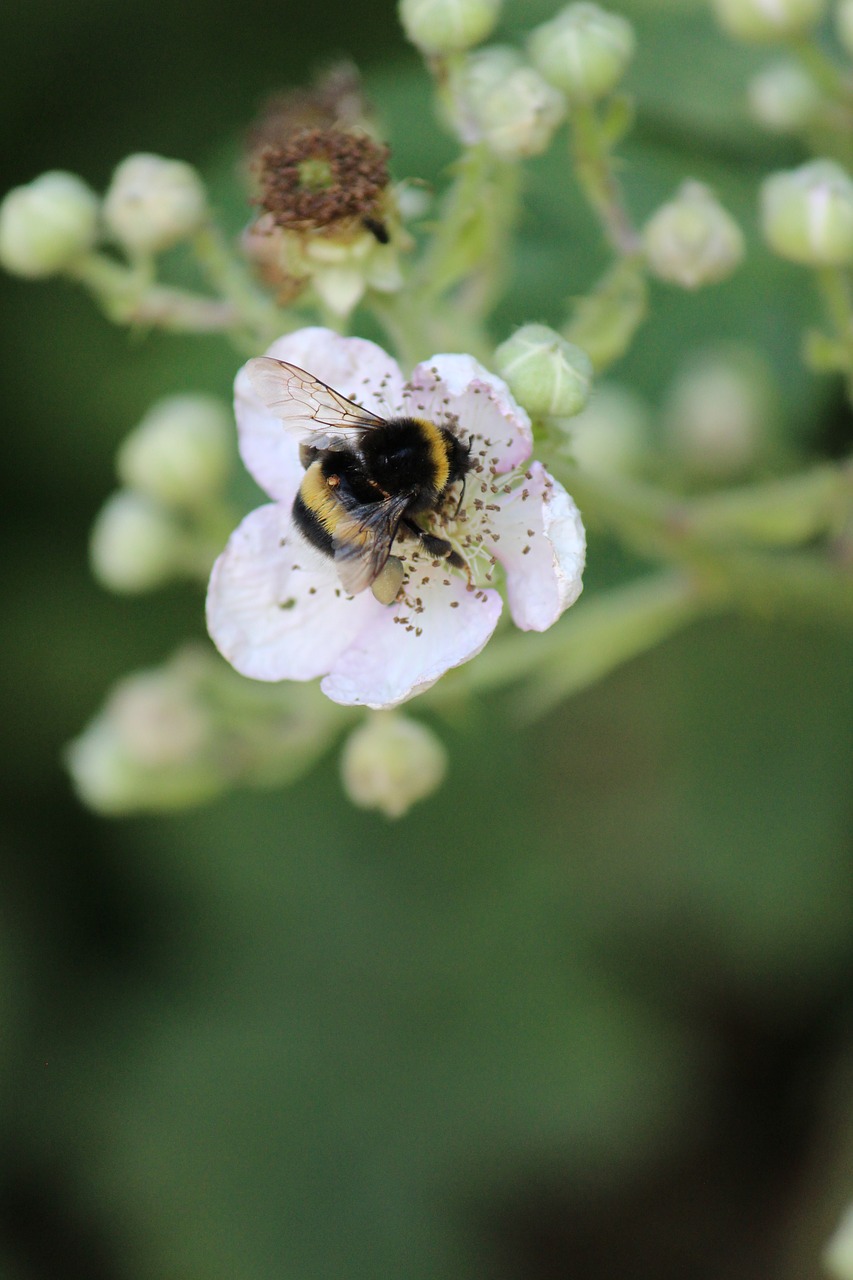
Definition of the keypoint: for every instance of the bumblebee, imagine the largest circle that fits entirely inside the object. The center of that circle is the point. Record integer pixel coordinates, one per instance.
(367, 478)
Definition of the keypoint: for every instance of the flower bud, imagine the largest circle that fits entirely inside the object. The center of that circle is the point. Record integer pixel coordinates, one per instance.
(767, 22)
(179, 454)
(718, 413)
(844, 25)
(549, 377)
(48, 223)
(692, 240)
(807, 214)
(148, 748)
(498, 100)
(609, 437)
(448, 26)
(519, 114)
(784, 98)
(838, 1254)
(135, 544)
(390, 762)
(584, 51)
(154, 203)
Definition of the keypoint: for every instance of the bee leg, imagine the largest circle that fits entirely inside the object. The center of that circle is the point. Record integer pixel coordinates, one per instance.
(438, 547)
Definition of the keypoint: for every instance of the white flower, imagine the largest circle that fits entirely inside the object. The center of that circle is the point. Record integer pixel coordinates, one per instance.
(276, 608)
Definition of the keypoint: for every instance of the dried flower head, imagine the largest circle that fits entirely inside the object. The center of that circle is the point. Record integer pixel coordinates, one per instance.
(324, 179)
(328, 218)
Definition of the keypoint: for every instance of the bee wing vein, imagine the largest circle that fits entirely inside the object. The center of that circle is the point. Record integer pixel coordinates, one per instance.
(305, 404)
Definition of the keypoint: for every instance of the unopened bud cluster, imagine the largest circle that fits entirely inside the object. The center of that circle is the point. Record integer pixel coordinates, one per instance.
(150, 748)
(176, 735)
(49, 225)
(174, 466)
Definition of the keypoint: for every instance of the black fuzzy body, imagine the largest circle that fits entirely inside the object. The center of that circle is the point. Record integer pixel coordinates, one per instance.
(408, 458)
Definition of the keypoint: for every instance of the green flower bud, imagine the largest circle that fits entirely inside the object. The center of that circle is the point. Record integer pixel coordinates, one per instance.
(807, 214)
(549, 377)
(784, 98)
(135, 544)
(838, 1255)
(48, 223)
(718, 413)
(844, 24)
(766, 22)
(610, 435)
(179, 453)
(584, 51)
(390, 762)
(692, 241)
(154, 203)
(448, 26)
(502, 102)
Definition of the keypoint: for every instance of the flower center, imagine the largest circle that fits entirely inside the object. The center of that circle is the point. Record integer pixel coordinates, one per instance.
(315, 174)
(318, 178)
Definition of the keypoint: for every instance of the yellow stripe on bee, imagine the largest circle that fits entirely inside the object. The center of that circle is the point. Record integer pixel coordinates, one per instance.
(319, 498)
(437, 452)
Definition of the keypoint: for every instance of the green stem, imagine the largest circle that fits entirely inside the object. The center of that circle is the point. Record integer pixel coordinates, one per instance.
(416, 332)
(777, 513)
(469, 242)
(128, 295)
(403, 322)
(594, 168)
(230, 276)
(834, 284)
(605, 321)
(706, 537)
(597, 636)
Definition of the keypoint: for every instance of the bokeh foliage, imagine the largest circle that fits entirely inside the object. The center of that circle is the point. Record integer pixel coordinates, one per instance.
(608, 965)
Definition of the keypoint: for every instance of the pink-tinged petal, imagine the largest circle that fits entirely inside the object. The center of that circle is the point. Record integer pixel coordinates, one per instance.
(353, 366)
(441, 625)
(271, 455)
(541, 543)
(457, 384)
(275, 609)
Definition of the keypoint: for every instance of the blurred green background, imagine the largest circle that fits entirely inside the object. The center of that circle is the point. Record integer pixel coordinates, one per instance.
(587, 1012)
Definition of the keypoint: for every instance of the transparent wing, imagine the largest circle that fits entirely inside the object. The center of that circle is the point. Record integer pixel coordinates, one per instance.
(313, 412)
(363, 540)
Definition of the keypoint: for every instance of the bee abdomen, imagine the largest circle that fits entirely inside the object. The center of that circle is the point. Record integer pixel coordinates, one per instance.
(316, 511)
